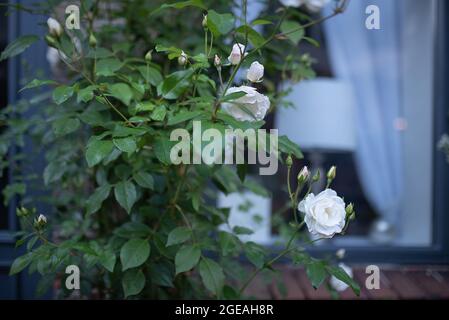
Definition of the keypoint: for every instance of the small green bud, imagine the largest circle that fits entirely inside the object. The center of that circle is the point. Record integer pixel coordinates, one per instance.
(303, 175)
(349, 209)
(332, 173)
(204, 22)
(40, 222)
(92, 40)
(182, 59)
(289, 161)
(316, 176)
(217, 61)
(149, 55)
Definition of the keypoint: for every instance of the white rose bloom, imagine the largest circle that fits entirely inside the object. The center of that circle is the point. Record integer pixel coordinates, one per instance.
(54, 28)
(255, 72)
(253, 102)
(292, 3)
(324, 213)
(236, 53)
(337, 284)
(315, 5)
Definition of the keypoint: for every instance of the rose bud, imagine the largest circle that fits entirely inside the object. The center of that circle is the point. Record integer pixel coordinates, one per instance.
(54, 28)
(255, 72)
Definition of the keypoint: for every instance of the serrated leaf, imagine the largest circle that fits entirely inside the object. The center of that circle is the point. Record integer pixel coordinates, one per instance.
(144, 179)
(289, 147)
(186, 258)
(95, 201)
(108, 259)
(183, 116)
(255, 254)
(316, 272)
(37, 83)
(20, 263)
(134, 253)
(97, 150)
(288, 28)
(341, 274)
(175, 84)
(122, 92)
(62, 94)
(127, 144)
(18, 46)
(151, 75)
(159, 113)
(242, 230)
(219, 24)
(133, 282)
(212, 275)
(107, 67)
(125, 194)
(133, 229)
(178, 235)
(64, 126)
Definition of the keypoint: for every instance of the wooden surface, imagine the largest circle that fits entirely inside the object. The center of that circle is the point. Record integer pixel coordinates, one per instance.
(395, 283)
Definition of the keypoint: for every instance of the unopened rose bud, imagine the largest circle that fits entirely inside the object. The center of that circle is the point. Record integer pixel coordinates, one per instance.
(255, 72)
(303, 175)
(340, 254)
(349, 209)
(54, 28)
(204, 23)
(92, 40)
(22, 212)
(182, 59)
(289, 161)
(316, 176)
(51, 41)
(332, 173)
(238, 50)
(149, 56)
(40, 221)
(217, 61)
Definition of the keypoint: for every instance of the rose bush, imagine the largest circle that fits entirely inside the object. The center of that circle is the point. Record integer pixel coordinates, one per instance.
(136, 224)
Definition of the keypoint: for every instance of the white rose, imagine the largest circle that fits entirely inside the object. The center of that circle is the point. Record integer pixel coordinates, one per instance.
(255, 72)
(315, 5)
(182, 59)
(324, 213)
(292, 3)
(42, 219)
(253, 102)
(236, 54)
(337, 284)
(54, 28)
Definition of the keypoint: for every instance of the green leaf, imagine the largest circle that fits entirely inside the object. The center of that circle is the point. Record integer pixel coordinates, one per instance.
(18, 46)
(228, 242)
(241, 171)
(86, 94)
(316, 272)
(133, 282)
(183, 116)
(125, 194)
(254, 37)
(212, 275)
(133, 229)
(186, 258)
(242, 230)
(108, 259)
(162, 147)
(37, 83)
(97, 150)
(219, 23)
(159, 113)
(289, 147)
(175, 84)
(62, 94)
(151, 75)
(183, 4)
(341, 274)
(178, 235)
(233, 96)
(53, 172)
(64, 126)
(288, 26)
(107, 67)
(134, 253)
(161, 275)
(122, 92)
(95, 201)
(255, 254)
(126, 144)
(258, 22)
(144, 179)
(20, 263)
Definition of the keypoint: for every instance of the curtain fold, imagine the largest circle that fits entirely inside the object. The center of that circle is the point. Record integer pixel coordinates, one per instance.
(370, 61)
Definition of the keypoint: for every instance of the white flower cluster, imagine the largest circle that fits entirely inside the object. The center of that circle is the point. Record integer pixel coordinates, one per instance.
(253, 106)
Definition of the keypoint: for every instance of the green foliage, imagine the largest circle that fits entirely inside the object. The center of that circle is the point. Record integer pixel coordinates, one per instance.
(136, 224)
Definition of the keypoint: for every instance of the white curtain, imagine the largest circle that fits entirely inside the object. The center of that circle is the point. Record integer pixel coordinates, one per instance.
(371, 61)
